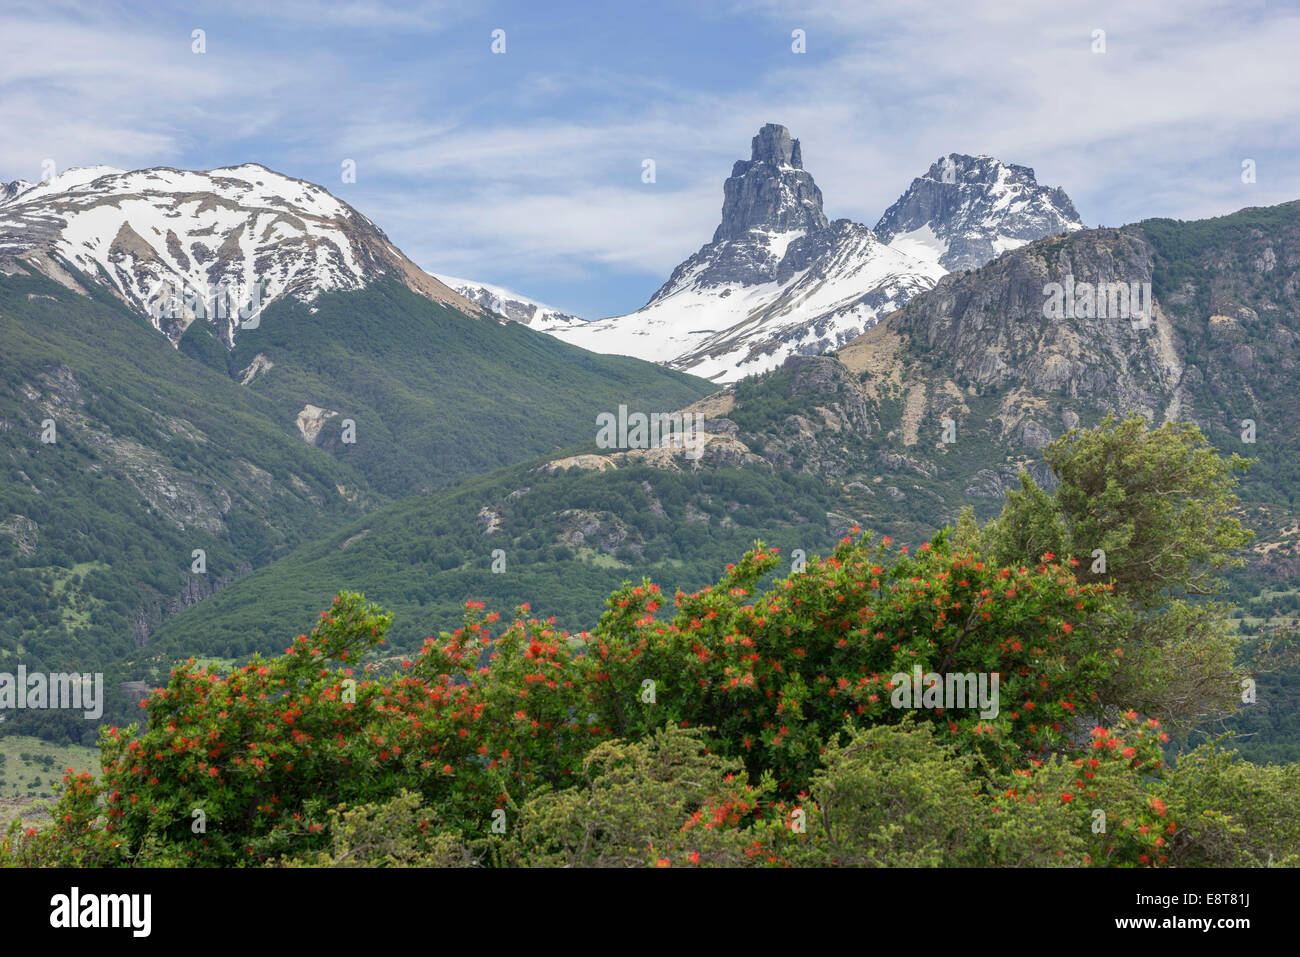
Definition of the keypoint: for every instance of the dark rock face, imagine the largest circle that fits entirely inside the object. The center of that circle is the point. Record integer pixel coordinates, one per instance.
(770, 190)
(769, 193)
(821, 380)
(773, 145)
(149, 616)
(974, 204)
(9, 190)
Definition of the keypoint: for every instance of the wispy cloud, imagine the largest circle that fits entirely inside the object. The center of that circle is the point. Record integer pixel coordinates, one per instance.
(375, 15)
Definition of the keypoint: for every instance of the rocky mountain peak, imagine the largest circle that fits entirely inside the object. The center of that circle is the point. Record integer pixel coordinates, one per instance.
(967, 210)
(778, 279)
(770, 191)
(773, 145)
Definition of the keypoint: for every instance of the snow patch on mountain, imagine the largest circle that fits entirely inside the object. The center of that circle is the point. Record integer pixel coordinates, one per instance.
(921, 243)
(178, 244)
(508, 303)
(967, 210)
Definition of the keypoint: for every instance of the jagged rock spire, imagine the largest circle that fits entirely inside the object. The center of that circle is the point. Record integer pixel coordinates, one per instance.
(774, 146)
(770, 191)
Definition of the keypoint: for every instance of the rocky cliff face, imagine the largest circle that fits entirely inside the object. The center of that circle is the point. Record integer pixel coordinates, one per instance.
(770, 191)
(994, 333)
(1221, 298)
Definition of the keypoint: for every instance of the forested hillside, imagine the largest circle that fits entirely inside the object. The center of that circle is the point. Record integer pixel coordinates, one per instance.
(153, 454)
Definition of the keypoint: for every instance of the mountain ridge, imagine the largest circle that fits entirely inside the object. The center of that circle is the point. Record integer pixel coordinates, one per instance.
(779, 278)
(172, 243)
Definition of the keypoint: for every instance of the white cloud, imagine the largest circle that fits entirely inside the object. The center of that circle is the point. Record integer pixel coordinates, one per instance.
(633, 229)
(98, 91)
(428, 16)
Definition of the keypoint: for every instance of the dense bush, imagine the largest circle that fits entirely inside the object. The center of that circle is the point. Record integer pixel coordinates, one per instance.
(693, 739)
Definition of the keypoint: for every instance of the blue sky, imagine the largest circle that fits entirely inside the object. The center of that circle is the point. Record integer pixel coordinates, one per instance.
(524, 168)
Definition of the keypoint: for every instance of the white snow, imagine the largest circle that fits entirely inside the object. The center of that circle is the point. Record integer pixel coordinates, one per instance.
(236, 226)
(500, 299)
(1002, 244)
(69, 179)
(921, 244)
(725, 332)
(778, 243)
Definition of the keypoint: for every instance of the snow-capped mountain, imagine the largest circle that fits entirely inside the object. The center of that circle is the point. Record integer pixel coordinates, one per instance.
(778, 279)
(508, 303)
(176, 244)
(9, 190)
(967, 210)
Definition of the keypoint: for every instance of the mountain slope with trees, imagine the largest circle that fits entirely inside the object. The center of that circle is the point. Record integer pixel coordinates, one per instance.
(162, 451)
(799, 454)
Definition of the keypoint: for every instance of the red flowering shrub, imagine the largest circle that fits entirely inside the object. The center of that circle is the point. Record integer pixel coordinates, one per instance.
(496, 745)
(1102, 807)
(779, 673)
